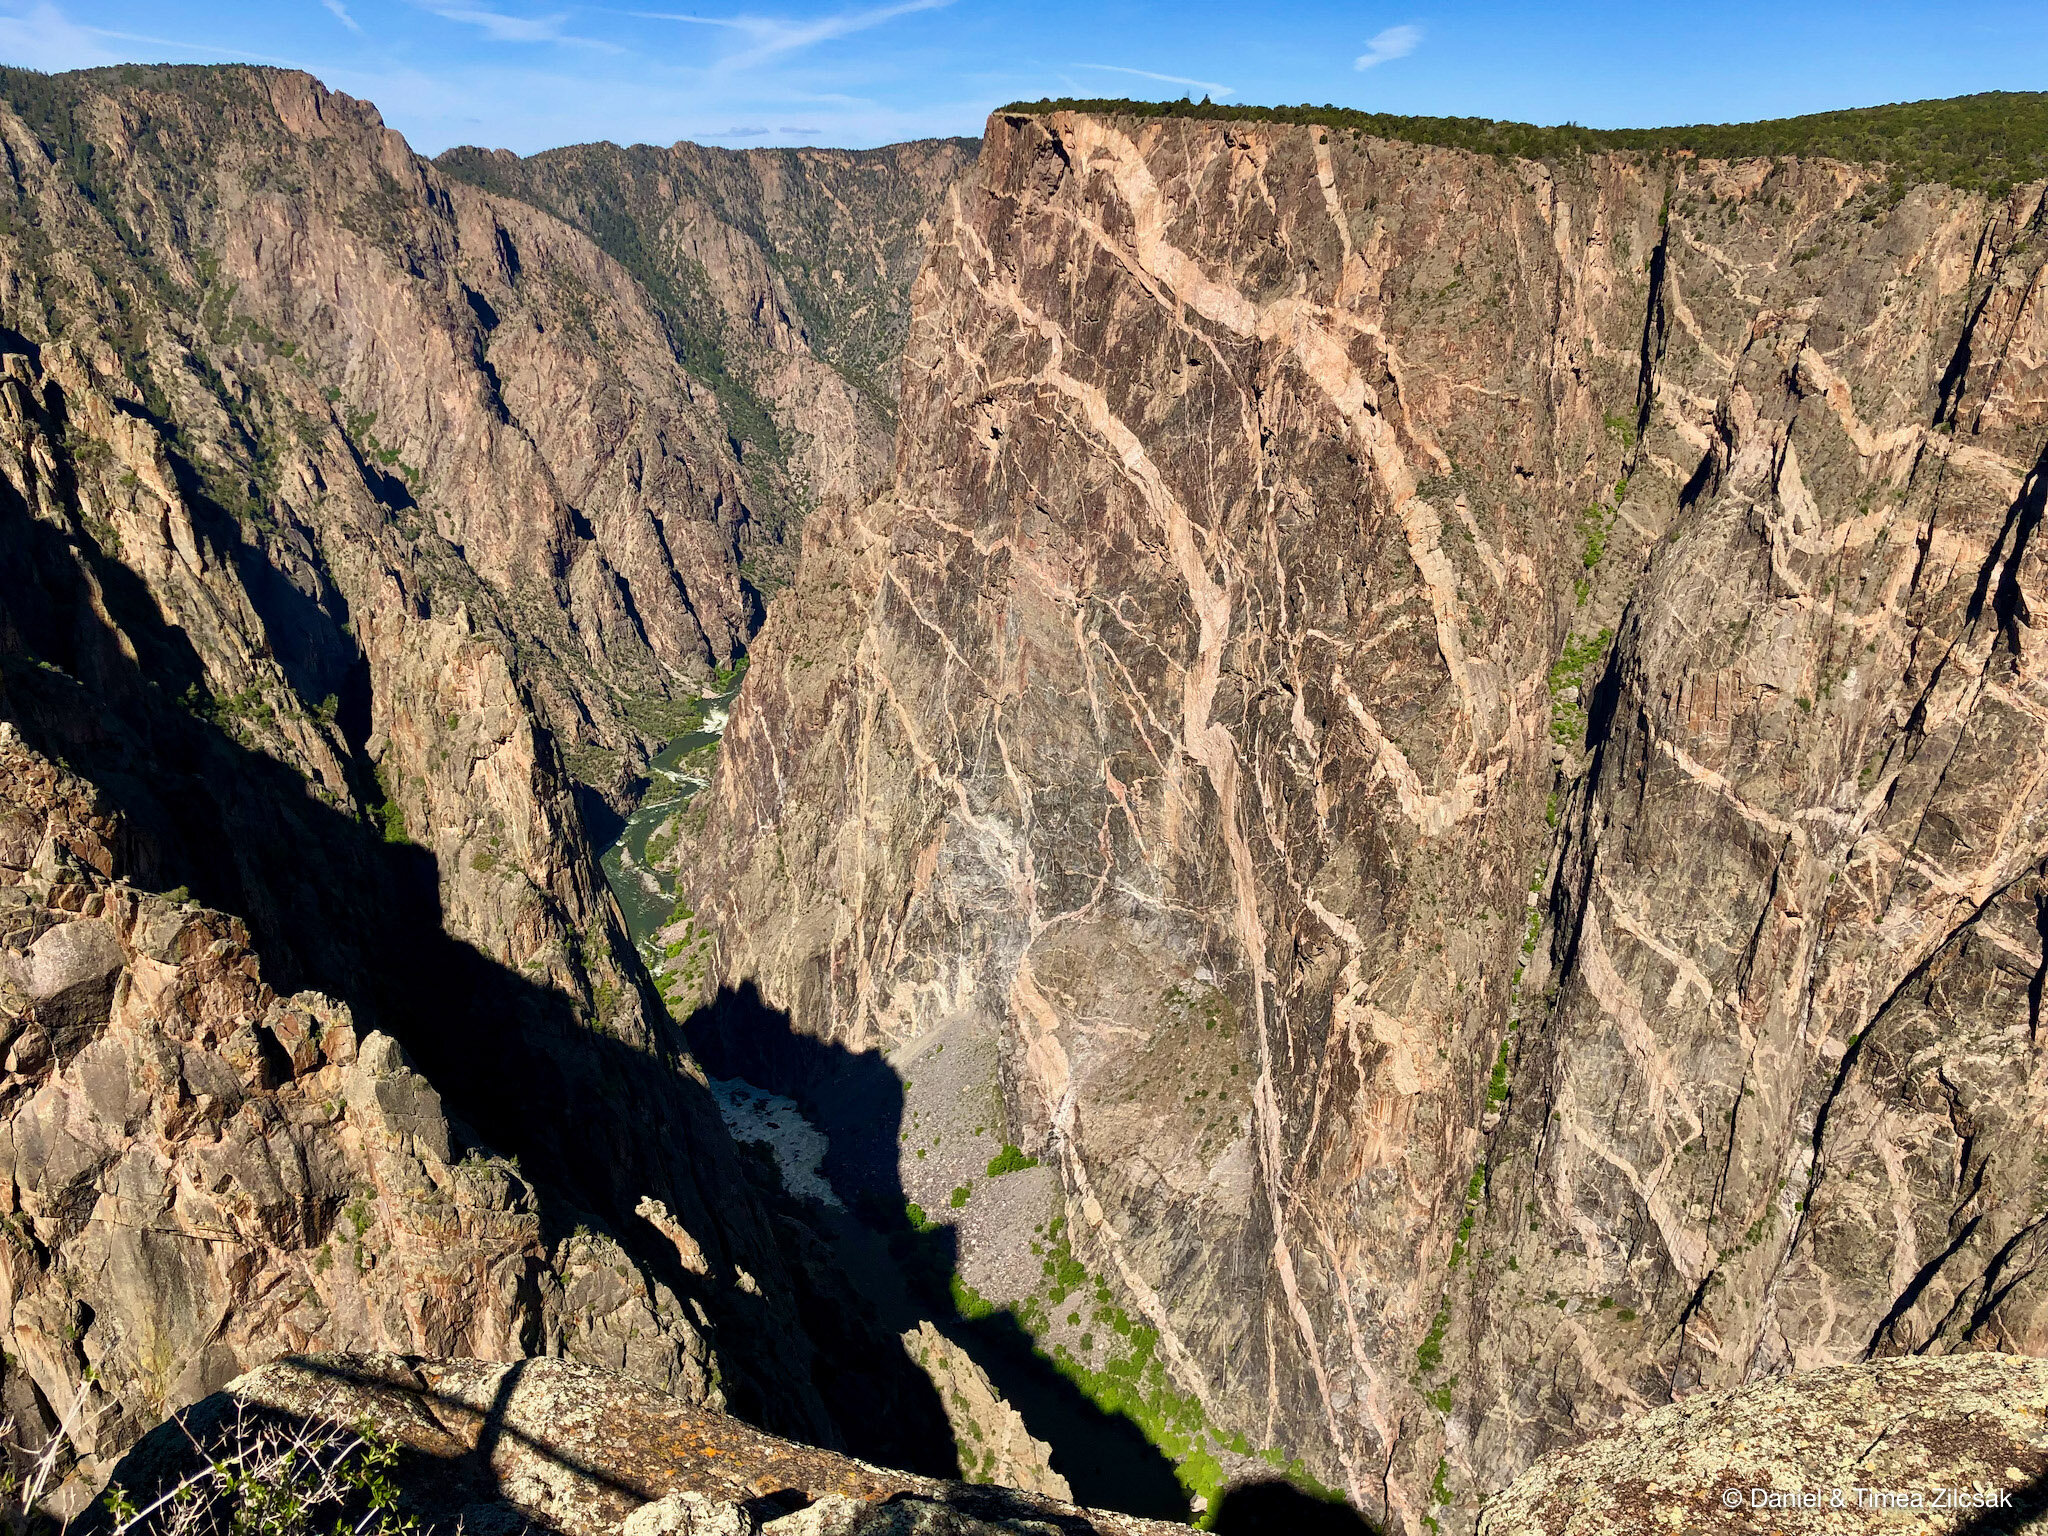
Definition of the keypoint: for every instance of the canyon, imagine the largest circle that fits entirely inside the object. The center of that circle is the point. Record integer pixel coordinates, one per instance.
(342, 638)
(1383, 803)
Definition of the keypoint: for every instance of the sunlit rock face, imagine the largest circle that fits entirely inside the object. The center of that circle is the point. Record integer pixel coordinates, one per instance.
(203, 1173)
(1954, 1444)
(356, 524)
(1470, 731)
(787, 272)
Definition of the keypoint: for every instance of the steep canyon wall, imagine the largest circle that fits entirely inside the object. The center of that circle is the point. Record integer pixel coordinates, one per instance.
(790, 272)
(1469, 731)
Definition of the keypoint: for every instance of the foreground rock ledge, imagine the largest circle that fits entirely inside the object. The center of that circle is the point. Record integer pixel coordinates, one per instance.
(1878, 1432)
(501, 1446)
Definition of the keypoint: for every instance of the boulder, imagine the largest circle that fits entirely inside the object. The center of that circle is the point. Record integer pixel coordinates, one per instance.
(1957, 1443)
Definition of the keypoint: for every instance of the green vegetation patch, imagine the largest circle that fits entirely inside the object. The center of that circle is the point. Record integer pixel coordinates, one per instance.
(1126, 1378)
(266, 1480)
(386, 811)
(1988, 142)
(1010, 1160)
(1430, 1354)
(1134, 1384)
(1116, 1365)
(1497, 1083)
(1568, 716)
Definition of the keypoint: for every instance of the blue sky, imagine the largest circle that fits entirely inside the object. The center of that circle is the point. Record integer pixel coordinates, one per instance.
(529, 74)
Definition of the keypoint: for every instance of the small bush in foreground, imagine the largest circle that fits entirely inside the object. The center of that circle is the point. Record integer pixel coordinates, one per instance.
(263, 1477)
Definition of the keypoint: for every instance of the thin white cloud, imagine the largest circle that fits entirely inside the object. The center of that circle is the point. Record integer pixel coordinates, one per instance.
(501, 28)
(42, 37)
(773, 35)
(545, 99)
(1394, 43)
(210, 53)
(1208, 85)
(341, 15)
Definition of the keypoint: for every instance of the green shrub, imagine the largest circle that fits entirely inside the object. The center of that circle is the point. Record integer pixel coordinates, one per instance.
(1431, 1353)
(262, 1477)
(969, 1302)
(1010, 1160)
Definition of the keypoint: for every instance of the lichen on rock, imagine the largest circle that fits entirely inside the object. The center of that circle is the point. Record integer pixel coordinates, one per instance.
(1957, 1443)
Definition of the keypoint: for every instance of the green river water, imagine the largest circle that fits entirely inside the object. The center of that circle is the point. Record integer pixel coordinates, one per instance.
(647, 895)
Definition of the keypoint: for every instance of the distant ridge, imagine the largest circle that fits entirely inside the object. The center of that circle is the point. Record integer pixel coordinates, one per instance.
(1989, 142)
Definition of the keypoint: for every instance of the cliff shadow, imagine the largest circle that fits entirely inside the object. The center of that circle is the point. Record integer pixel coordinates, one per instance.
(904, 1268)
(597, 1117)
(1275, 1507)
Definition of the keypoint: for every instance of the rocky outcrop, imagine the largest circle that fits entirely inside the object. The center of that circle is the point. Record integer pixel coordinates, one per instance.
(1950, 1444)
(1465, 730)
(197, 1172)
(995, 1443)
(587, 1453)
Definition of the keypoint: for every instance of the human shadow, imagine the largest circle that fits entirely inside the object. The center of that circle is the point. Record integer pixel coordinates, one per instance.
(2024, 1509)
(589, 1094)
(904, 1267)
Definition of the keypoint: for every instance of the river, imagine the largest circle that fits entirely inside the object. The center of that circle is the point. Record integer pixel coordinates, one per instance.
(647, 899)
(647, 895)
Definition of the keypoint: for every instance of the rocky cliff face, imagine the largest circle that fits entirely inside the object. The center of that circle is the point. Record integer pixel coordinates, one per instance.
(351, 517)
(1463, 734)
(783, 274)
(201, 1172)
(1450, 744)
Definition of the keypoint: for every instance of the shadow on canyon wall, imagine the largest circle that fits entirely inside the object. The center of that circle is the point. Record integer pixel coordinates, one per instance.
(904, 1270)
(1276, 1507)
(94, 676)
